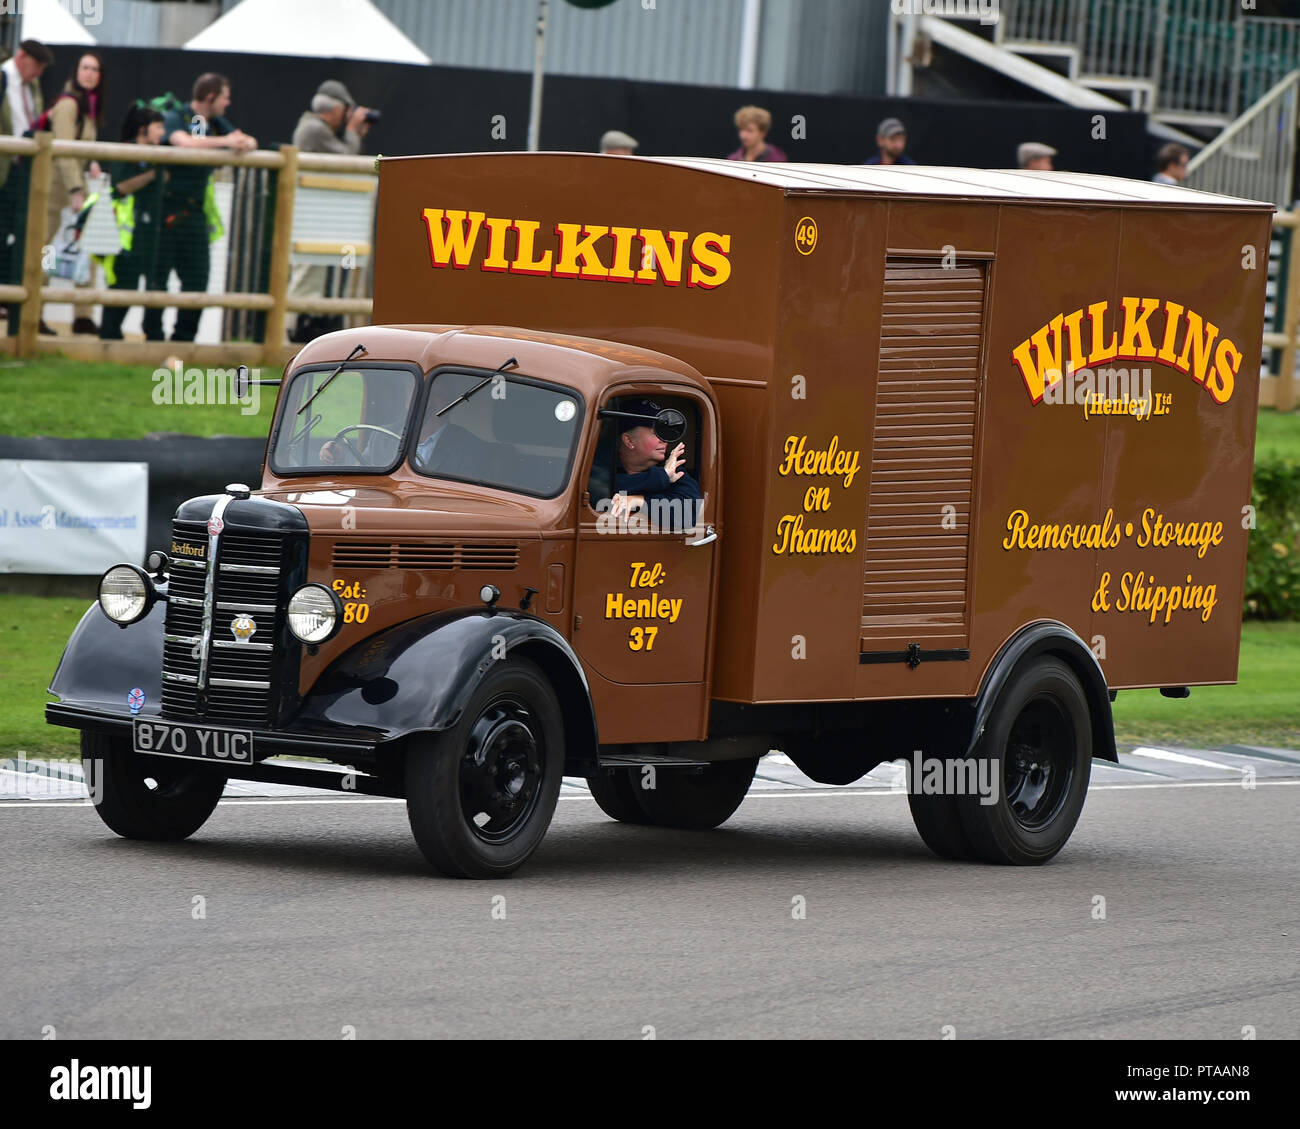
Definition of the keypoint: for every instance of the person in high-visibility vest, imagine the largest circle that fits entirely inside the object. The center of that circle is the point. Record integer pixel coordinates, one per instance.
(137, 208)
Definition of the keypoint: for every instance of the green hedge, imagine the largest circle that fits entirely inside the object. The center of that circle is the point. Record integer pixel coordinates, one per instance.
(1273, 559)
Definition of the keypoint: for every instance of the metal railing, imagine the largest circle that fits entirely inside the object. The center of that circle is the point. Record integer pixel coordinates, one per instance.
(1203, 58)
(275, 302)
(1255, 156)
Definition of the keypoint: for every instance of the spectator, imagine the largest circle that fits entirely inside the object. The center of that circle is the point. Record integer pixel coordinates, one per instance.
(21, 104)
(21, 101)
(1035, 156)
(190, 218)
(137, 207)
(76, 115)
(334, 124)
(318, 131)
(1171, 163)
(753, 123)
(618, 144)
(891, 140)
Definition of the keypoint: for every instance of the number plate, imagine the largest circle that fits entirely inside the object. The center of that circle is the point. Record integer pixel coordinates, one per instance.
(197, 742)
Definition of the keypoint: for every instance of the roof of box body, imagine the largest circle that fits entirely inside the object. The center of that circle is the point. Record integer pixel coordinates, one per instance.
(960, 182)
(932, 180)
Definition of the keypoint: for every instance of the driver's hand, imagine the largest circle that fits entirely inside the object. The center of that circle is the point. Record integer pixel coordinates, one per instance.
(672, 464)
(327, 453)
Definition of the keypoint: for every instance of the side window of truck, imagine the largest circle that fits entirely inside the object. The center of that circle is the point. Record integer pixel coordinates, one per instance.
(607, 468)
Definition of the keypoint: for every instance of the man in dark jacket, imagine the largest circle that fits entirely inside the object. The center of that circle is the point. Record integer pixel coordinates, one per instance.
(647, 471)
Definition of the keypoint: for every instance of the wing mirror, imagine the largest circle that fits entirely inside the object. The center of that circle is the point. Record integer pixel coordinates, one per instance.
(670, 425)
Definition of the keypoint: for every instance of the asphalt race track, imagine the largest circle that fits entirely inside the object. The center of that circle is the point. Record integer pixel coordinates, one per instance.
(309, 916)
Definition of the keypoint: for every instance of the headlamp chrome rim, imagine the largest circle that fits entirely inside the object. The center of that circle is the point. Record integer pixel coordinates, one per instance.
(148, 594)
(336, 608)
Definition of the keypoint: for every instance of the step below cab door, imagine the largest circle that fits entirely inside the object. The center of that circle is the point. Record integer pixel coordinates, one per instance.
(645, 585)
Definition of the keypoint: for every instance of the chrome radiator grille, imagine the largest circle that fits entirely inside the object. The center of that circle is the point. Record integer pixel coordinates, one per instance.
(228, 681)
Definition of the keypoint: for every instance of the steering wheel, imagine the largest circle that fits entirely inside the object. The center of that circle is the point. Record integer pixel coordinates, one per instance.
(341, 437)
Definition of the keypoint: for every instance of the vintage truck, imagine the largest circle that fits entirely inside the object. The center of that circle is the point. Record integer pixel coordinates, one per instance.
(972, 451)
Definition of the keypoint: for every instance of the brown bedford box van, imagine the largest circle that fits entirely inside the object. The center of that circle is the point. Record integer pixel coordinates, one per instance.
(963, 453)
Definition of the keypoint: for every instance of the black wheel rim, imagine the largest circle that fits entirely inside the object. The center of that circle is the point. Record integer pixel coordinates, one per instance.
(1038, 764)
(501, 771)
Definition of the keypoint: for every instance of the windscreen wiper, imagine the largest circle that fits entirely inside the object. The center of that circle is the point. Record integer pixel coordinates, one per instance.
(485, 381)
(342, 363)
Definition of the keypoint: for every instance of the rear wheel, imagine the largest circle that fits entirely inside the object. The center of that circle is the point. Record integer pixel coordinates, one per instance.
(697, 799)
(938, 820)
(480, 796)
(147, 797)
(615, 790)
(1038, 741)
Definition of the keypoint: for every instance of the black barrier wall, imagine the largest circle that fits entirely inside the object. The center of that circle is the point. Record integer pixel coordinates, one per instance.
(429, 109)
(179, 468)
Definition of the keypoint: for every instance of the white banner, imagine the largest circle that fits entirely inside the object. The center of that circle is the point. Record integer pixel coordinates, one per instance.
(70, 517)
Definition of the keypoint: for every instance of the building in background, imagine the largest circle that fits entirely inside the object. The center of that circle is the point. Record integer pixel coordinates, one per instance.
(814, 46)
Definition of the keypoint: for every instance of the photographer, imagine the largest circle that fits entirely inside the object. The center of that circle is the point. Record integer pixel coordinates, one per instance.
(335, 123)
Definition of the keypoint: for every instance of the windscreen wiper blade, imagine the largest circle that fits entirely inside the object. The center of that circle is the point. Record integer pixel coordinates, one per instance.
(342, 364)
(511, 363)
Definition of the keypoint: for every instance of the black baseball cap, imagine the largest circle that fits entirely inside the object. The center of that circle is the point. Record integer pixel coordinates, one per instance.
(645, 408)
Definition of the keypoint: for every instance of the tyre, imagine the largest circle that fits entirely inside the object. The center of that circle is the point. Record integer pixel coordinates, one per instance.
(1039, 741)
(614, 789)
(938, 821)
(480, 796)
(696, 800)
(146, 797)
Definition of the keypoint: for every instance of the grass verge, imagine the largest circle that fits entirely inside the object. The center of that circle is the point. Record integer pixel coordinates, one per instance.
(79, 400)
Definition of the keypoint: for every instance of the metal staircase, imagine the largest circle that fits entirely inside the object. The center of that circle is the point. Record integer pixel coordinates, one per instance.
(1184, 62)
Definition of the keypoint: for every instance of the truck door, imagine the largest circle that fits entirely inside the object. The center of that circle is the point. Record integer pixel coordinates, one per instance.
(644, 584)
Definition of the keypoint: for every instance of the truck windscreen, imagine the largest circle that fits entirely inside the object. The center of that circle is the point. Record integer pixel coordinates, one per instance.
(357, 421)
(513, 433)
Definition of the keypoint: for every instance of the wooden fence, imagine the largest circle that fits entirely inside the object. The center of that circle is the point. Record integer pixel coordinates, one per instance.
(287, 162)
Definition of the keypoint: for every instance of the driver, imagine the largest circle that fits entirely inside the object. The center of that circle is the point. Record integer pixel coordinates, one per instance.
(647, 470)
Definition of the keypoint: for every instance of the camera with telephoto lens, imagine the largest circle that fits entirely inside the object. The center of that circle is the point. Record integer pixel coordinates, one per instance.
(373, 116)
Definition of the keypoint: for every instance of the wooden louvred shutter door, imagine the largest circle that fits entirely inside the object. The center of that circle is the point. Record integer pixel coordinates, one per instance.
(916, 584)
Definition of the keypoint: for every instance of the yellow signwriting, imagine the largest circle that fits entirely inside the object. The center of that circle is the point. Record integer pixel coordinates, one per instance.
(831, 461)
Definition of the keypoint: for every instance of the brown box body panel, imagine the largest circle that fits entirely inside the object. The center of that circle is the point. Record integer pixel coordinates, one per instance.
(808, 350)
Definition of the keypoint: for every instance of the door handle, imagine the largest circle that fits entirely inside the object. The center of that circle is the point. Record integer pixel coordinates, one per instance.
(709, 534)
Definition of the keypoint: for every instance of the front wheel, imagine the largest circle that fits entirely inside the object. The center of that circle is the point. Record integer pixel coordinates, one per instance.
(1037, 750)
(147, 797)
(480, 796)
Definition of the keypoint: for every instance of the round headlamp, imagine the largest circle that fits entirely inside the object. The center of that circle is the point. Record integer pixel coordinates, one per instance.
(125, 594)
(315, 613)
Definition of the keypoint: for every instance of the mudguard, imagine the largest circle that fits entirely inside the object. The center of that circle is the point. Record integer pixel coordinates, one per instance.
(1049, 637)
(420, 675)
(104, 662)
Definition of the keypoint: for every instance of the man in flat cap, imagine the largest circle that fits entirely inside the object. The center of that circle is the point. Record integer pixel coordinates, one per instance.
(618, 144)
(1035, 156)
(891, 140)
(334, 124)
